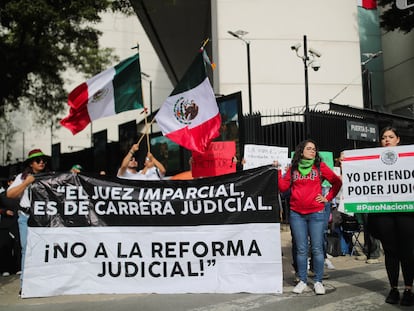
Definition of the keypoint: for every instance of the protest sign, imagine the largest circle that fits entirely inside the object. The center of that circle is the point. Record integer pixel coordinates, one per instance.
(210, 235)
(217, 160)
(379, 180)
(260, 155)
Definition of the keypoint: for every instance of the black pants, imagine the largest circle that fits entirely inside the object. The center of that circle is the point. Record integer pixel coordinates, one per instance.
(10, 250)
(396, 233)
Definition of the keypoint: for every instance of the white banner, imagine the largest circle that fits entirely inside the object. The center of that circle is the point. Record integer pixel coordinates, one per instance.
(379, 180)
(202, 259)
(260, 155)
(209, 235)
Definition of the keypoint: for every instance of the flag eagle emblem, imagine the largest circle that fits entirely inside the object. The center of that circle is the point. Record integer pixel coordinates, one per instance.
(185, 111)
(99, 95)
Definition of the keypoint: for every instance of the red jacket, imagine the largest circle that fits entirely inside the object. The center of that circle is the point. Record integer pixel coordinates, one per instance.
(305, 188)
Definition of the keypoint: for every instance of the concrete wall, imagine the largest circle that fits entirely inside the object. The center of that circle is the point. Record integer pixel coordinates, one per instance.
(399, 72)
(331, 27)
(277, 74)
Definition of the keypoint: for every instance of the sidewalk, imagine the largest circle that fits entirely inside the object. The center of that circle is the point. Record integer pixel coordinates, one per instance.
(345, 267)
(340, 262)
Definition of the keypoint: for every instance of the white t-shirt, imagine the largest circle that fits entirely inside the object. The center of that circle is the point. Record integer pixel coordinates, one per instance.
(25, 198)
(152, 174)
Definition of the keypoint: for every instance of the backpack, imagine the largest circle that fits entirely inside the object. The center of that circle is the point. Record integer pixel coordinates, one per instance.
(333, 246)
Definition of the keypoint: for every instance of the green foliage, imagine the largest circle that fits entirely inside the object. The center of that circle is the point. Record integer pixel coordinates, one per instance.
(393, 18)
(39, 41)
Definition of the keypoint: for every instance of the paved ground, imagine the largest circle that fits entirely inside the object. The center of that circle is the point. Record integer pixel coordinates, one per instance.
(353, 285)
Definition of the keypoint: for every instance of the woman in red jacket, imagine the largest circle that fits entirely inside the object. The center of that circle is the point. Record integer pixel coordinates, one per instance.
(307, 215)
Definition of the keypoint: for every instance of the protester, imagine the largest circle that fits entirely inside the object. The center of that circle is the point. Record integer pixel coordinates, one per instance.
(10, 250)
(20, 188)
(76, 169)
(395, 231)
(307, 204)
(152, 170)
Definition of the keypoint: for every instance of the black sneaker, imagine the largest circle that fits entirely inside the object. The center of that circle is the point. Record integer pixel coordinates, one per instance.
(393, 297)
(407, 298)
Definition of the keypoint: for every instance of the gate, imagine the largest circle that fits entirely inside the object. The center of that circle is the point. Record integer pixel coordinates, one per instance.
(327, 127)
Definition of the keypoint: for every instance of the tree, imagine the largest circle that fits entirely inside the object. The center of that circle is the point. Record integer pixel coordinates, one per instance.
(392, 18)
(39, 41)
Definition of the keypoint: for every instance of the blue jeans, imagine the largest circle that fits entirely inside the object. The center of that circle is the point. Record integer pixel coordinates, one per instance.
(305, 227)
(22, 221)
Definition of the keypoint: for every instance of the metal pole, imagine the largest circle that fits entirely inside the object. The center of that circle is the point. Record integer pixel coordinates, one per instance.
(150, 86)
(305, 63)
(249, 81)
(370, 106)
(23, 147)
(51, 135)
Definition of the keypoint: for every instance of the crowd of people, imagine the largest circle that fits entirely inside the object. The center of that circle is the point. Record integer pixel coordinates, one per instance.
(309, 208)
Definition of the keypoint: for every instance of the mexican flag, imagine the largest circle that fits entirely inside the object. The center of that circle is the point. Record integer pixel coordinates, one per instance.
(367, 4)
(112, 91)
(190, 116)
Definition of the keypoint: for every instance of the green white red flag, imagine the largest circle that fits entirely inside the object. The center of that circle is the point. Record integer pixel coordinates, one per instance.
(190, 116)
(112, 91)
(367, 4)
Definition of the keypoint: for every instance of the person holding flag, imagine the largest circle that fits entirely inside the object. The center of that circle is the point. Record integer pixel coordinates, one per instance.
(35, 163)
(152, 170)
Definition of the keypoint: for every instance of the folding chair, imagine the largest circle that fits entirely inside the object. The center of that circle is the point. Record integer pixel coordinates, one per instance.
(352, 228)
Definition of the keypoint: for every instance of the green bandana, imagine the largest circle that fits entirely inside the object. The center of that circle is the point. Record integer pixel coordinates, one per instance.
(305, 166)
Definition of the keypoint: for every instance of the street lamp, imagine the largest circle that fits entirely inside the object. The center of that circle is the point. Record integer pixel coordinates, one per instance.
(308, 60)
(147, 78)
(239, 35)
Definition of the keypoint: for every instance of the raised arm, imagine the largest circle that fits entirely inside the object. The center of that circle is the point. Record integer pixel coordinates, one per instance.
(127, 158)
(17, 191)
(157, 163)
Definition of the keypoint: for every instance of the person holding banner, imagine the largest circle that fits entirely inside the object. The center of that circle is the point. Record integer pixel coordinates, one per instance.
(396, 233)
(153, 169)
(20, 188)
(307, 209)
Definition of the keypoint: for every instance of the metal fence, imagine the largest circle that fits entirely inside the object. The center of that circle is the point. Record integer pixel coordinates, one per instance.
(327, 127)
(281, 128)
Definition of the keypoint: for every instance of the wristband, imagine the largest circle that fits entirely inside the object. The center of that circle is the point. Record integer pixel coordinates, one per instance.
(131, 152)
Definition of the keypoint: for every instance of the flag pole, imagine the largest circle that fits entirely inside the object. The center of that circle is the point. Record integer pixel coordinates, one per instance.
(146, 131)
(91, 134)
(145, 111)
(205, 43)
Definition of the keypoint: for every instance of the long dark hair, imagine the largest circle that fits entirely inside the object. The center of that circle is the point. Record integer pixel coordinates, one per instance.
(389, 128)
(28, 169)
(299, 153)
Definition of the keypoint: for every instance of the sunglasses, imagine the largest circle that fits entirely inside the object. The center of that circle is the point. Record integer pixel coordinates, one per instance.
(38, 160)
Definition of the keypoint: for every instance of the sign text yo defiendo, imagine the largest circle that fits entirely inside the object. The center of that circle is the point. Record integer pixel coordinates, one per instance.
(379, 180)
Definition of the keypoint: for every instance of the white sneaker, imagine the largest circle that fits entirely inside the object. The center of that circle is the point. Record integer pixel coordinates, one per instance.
(300, 287)
(319, 289)
(329, 264)
(5, 274)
